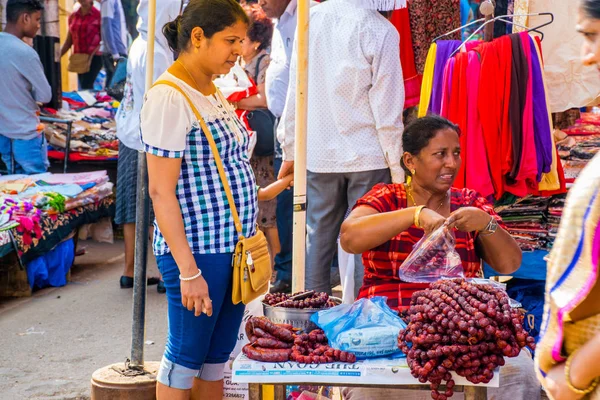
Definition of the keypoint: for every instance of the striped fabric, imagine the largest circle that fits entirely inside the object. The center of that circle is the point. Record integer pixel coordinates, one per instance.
(207, 217)
(382, 263)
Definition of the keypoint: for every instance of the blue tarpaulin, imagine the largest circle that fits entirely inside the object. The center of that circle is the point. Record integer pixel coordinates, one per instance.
(51, 268)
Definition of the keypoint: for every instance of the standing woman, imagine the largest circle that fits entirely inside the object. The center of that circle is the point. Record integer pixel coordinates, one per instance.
(569, 348)
(195, 236)
(84, 37)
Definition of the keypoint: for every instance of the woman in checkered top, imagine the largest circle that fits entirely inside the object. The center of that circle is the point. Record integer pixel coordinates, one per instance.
(194, 235)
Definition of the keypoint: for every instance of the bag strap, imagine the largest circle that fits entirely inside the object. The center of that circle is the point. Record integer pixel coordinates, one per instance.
(215, 152)
(256, 72)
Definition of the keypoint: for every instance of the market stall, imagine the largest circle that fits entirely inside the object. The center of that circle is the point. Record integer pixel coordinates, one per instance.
(39, 216)
(83, 131)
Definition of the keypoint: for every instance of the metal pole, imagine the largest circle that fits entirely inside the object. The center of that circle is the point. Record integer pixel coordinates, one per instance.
(299, 243)
(141, 217)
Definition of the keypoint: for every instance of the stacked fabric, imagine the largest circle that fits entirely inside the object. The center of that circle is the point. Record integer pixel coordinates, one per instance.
(495, 93)
(553, 216)
(527, 223)
(93, 134)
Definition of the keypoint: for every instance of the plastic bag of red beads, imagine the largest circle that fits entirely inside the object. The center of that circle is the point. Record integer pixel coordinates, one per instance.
(434, 257)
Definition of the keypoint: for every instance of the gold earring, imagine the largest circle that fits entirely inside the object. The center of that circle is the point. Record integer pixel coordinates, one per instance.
(196, 49)
(413, 172)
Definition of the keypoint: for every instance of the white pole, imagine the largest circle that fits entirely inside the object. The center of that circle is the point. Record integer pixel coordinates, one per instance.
(299, 243)
(150, 44)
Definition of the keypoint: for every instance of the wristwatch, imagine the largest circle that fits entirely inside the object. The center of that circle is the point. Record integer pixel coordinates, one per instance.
(490, 228)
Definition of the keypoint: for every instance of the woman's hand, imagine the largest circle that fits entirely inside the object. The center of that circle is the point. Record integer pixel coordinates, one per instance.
(557, 384)
(469, 219)
(194, 296)
(430, 220)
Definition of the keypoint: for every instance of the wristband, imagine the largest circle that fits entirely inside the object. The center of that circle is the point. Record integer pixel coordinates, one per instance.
(191, 278)
(589, 389)
(417, 215)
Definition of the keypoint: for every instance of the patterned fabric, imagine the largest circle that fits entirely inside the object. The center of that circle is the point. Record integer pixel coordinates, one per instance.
(207, 218)
(572, 274)
(126, 208)
(382, 263)
(85, 31)
(54, 228)
(430, 19)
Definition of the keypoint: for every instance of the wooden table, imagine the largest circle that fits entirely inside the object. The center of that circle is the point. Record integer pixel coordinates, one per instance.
(379, 373)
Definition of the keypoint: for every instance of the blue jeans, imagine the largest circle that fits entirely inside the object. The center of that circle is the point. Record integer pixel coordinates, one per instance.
(285, 226)
(24, 156)
(199, 347)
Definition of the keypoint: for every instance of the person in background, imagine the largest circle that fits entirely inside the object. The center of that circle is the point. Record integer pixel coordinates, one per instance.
(255, 61)
(354, 133)
(567, 353)
(23, 85)
(128, 124)
(84, 38)
(276, 88)
(114, 35)
(195, 235)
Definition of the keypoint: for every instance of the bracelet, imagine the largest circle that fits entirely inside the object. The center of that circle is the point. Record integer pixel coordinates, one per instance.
(582, 392)
(417, 215)
(191, 278)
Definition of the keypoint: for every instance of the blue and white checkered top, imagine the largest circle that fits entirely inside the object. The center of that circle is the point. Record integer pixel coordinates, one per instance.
(170, 129)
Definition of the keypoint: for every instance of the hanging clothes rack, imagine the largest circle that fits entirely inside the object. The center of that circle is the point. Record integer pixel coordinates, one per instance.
(504, 18)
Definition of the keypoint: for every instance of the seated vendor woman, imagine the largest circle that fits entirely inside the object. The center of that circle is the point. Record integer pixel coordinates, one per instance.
(387, 222)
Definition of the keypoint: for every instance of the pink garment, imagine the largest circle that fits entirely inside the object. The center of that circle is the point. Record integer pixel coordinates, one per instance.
(97, 177)
(447, 84)
(528, 171)
(478, 175)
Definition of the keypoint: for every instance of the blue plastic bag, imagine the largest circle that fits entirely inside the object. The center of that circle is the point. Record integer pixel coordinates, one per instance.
(368, 328)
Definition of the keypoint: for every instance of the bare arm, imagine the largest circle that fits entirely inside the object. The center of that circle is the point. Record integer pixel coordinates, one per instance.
(500, 251)
(275, 188)
(163, 175)
(66, 45)
(253, 102)
(366, 228)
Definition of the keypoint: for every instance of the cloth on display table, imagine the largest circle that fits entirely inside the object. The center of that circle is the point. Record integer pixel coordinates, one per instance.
(75, 157)
(55, 228)
(51, 268)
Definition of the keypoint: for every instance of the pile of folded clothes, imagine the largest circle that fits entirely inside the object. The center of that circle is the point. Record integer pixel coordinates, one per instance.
(553, 216)
(526, 222)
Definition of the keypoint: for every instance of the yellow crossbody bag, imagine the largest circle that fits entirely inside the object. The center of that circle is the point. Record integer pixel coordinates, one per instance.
(251, 260)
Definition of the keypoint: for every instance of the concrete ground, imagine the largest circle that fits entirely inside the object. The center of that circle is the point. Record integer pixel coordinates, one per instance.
(52, 342)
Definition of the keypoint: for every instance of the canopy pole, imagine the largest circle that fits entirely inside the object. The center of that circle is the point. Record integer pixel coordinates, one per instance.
(141, 217)
(299, 243)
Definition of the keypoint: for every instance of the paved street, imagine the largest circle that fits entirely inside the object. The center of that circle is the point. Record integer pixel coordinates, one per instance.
(52, 342)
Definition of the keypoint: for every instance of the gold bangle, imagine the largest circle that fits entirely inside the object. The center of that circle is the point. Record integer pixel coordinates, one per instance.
(417, 215)
(582, 392)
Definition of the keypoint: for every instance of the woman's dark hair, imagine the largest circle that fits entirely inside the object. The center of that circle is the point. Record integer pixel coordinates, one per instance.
(417, 134)
(211, 15)
(591, 8)
(261, 27)
(14, 8)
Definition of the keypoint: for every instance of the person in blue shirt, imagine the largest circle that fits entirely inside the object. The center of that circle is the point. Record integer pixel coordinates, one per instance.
(22, 146)
(114, 36)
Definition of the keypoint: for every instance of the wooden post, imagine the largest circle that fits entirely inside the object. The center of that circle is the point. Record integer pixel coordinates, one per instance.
(299, 243)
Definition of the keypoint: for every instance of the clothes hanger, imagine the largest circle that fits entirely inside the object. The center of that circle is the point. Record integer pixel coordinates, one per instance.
(459, 29)
(502, 18)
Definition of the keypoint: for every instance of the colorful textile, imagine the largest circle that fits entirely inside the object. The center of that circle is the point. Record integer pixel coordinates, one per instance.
(412, 79)
(428, 20)
(383, 262)
(427, 82)
(572, 272)
(85, 31)
(444, 49)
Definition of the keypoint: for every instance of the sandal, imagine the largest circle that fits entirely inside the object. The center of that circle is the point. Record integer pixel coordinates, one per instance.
(127, 282)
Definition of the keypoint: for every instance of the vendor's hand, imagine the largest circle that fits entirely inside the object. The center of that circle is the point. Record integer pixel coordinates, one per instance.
(289, 180)
(469, 219)
(287, 168)
(557, 384)
(194, 296)
(430, 220)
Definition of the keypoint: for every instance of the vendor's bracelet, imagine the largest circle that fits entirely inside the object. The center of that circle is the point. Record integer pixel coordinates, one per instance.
(417, 215)
(581, 392)
(191, 278)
